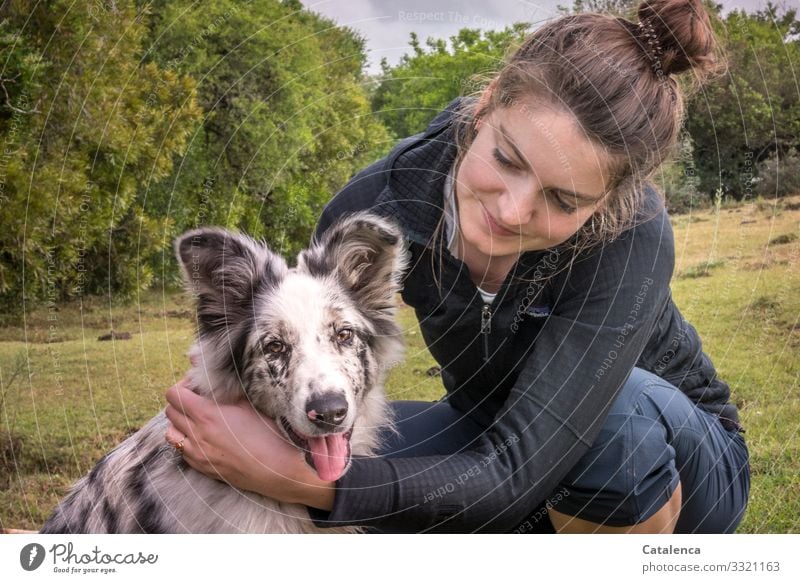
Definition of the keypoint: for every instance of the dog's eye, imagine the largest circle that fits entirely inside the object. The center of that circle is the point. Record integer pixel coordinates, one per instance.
(276, 347)
(344, 336)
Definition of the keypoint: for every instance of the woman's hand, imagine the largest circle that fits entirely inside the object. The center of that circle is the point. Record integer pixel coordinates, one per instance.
(236, 444)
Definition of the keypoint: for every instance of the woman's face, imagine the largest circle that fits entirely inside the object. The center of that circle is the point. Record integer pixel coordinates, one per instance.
(529, 181)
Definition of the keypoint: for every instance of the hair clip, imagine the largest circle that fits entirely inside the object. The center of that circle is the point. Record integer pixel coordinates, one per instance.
(650, 46)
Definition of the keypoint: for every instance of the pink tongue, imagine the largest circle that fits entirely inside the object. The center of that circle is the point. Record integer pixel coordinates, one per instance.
(330, 455)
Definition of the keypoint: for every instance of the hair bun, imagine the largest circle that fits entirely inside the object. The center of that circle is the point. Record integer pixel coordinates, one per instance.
(680, 35)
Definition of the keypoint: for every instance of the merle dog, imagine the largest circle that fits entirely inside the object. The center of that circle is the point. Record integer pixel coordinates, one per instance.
(308, 346)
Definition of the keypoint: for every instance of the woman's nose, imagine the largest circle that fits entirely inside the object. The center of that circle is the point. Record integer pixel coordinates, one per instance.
(517, 206)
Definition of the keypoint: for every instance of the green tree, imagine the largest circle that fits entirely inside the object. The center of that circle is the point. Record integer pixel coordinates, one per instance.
(754, 109)
(86, 123)
(426, 80)
(286, 120)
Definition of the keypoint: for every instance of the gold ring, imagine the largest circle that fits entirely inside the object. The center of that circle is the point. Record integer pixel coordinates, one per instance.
(179, 445)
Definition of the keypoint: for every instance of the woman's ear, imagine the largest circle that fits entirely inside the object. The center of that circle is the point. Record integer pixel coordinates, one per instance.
(483, 103)
(486, 95)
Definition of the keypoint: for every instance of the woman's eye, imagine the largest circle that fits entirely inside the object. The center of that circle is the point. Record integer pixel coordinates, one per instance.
(505, 162)
(562, 204)
(276, 347)
(344, 336)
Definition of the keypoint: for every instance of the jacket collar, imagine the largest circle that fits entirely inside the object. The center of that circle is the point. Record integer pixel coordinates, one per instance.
(418, 168)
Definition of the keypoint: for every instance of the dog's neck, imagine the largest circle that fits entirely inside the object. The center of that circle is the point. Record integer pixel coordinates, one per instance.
(206, 378)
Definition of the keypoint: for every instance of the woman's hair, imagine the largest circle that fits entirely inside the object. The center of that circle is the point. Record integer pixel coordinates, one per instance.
(616, 78)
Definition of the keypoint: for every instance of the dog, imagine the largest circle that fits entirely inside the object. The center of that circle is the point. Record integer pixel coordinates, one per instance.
(308, 346)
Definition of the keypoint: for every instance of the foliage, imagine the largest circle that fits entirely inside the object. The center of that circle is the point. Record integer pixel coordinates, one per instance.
(411, 93)
(779, 175)
(84, 123)
(149, 118)
(285, 119)
(752, 110)
(624, 8)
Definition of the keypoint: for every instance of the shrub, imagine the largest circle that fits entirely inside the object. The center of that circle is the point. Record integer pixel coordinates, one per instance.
(779, 175)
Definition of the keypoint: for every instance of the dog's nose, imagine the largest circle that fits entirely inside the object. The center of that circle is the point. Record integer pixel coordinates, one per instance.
(328, 410)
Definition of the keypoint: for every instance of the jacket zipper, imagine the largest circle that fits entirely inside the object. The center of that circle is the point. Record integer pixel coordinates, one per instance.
(486, 329)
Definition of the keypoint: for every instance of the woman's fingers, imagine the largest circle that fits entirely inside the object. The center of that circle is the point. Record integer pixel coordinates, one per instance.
(181, 411)
(182, 398)
(181, 422)
(174, 437)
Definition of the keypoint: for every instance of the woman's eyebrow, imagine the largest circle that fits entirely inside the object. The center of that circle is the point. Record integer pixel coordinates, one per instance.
(586, 197)
(507, 140)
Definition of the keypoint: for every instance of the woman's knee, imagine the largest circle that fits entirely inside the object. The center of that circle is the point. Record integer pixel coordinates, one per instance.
(653, 439)
(663, 521)
(630, 472)
(627, 476)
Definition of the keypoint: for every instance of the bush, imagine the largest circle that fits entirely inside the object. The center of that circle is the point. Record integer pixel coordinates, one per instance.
(779, 175)
(679, 181)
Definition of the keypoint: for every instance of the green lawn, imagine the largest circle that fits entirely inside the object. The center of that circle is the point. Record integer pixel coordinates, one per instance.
(66, 398)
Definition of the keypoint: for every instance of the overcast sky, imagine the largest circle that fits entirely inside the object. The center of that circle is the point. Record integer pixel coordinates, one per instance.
(386, 24)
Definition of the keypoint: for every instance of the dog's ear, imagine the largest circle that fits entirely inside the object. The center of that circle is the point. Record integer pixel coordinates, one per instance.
(367, 255)
(224, 270)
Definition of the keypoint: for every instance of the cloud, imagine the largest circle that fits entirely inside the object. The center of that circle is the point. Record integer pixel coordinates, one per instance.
(387, 25)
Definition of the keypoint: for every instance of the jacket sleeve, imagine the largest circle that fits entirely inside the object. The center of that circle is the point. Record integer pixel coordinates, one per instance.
(599, 326)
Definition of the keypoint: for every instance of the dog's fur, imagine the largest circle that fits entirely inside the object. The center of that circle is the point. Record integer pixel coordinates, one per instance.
(248, 299)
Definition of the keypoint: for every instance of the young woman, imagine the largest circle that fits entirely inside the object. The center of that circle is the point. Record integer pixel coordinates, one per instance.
(578, 398)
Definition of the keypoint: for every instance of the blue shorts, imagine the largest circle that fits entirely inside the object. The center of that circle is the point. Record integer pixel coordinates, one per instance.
(654, 438)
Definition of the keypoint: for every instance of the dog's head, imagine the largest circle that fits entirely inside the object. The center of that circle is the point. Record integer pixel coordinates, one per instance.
(308, 346)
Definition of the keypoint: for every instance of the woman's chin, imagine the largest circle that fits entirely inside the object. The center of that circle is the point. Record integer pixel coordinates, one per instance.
(498, 247)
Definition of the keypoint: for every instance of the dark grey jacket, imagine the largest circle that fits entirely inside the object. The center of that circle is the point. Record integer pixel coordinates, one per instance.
(539, 367)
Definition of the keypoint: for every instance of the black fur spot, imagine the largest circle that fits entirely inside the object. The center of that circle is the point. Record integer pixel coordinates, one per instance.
(76, 523)
(55, 524)
(146, 514)
(275, 370)
(98, 470)
(109, 517)
(147, 517)
(317, 264)
(362, 357)
(137, 479)
(239, 345)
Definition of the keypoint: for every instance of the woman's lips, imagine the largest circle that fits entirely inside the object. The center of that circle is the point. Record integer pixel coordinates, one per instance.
(495, 228)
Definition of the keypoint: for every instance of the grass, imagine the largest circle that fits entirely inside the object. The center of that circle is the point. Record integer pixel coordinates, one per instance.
(747, 313)
(701, 270)
(67, 398)
(783, 239)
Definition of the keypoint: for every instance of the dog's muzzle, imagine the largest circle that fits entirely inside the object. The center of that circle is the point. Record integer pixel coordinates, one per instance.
(328, 454)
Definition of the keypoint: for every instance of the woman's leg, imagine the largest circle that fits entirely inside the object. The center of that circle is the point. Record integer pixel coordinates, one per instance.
(427, 428)
(654, 442)
(662, 522)
(424, 428)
